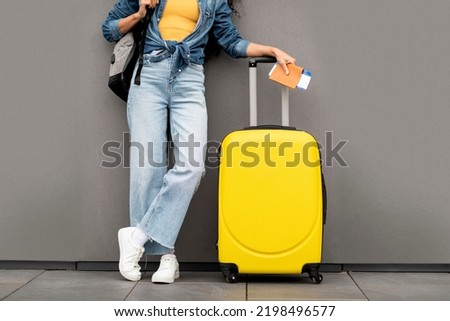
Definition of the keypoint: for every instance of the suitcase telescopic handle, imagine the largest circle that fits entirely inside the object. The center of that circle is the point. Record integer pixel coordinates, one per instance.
(253, 64)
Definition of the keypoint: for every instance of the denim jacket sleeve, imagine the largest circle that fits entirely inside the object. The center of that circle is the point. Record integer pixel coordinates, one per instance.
(226, 33)
(122, 9)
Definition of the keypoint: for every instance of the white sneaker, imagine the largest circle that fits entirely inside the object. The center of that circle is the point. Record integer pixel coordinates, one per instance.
(129, 255)
(168, 270)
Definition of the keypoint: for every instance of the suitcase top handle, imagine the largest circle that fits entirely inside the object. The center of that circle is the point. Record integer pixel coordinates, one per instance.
(253, 64)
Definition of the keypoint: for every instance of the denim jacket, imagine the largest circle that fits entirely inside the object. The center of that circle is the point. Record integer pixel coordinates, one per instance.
(214, 15)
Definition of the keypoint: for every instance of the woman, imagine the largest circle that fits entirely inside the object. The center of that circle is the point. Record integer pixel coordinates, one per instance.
(172, 88)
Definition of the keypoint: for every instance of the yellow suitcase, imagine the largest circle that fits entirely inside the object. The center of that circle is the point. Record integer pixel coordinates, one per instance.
(271, 199)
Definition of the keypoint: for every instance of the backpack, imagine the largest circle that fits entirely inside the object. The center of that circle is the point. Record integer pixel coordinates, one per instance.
(126, 53)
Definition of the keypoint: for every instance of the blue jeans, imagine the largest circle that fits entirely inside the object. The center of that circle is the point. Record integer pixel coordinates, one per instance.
(159, 196)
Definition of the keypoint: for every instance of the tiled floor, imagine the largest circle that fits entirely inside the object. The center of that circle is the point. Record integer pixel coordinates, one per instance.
(41, 285)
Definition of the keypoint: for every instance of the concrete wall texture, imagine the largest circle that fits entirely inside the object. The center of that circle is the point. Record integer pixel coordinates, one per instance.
(380, 84)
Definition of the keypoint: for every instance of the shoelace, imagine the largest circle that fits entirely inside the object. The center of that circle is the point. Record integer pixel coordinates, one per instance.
(135, 256)
(166, 263)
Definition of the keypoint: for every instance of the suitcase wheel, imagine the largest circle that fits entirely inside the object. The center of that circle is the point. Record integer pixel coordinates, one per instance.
(230, 272)
(313, 272)
(230, 277)
(316, 279)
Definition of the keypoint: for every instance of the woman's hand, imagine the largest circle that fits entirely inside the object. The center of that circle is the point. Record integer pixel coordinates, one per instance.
(283, 59)
(127, 23)
(257, 50)
(143, 7)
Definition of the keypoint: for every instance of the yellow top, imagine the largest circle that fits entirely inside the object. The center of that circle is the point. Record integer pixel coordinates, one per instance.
(179, 19)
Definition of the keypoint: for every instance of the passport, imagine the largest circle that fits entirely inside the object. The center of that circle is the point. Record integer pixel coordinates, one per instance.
(278, 75)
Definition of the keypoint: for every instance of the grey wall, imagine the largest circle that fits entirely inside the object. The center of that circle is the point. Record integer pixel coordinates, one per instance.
(381, 79)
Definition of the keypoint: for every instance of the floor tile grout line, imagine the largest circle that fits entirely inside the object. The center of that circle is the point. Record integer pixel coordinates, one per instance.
(356, 283)
(129, 293)
(29, 281)
(246, 290)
